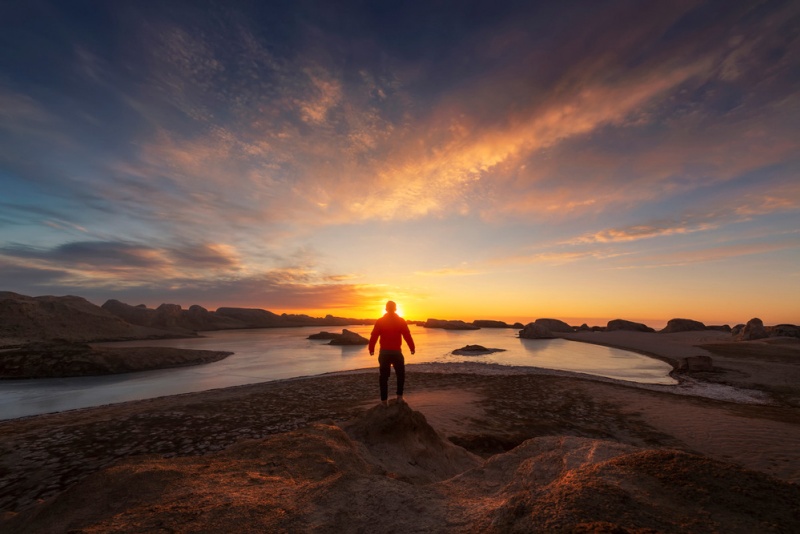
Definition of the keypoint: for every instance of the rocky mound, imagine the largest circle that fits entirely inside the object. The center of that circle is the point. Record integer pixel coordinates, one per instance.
(348, 337)
(621, 324)
(26, 319)
(389, 471)
(56, 360)
(682, 325)
(171, 316)
(488, 323)
(449, 325)
(544, 329)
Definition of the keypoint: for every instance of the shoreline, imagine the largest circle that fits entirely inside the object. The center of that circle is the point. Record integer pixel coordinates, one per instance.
(662, 347)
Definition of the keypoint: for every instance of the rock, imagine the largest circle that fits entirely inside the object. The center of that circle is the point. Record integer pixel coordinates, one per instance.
(518, 326)
(348, 337)
(554, 325)
(324, 335)
(621, 324)
(695, 363)
(720, 328)
(475, 350)
(486, 323)
(584, 328)
(449, 325)
(784, 330)
(736, 330)
(682, 325)
(754, 329)
(536, 330)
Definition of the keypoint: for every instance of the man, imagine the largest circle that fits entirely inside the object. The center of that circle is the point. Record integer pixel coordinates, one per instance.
(391, 329)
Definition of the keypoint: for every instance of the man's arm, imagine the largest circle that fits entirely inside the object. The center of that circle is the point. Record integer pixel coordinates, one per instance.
(409, 339)
(373, 338)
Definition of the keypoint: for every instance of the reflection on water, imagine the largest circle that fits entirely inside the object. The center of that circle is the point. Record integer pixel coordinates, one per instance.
(276, 353)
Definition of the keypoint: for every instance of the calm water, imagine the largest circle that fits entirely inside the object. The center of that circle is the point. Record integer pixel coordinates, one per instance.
(275, 353)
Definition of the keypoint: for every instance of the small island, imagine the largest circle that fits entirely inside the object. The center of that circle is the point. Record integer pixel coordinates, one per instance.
(61, 360)
(476, 350)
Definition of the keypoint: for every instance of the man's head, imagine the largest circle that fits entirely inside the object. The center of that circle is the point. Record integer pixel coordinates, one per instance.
(391, 307)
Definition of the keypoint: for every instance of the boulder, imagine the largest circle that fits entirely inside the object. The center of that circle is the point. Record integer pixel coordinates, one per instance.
(348, 337)
(737, 330)
(449, 325)
(695, 363)
(754, 329)
(536, 330)
(487, 323)
(583, 328)
(518, 326)
(324, 335)
(621, 324)
(682, 325)
(554, 325)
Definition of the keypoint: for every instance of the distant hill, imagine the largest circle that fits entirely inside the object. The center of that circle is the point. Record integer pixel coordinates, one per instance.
(173, 317)
(26, 319)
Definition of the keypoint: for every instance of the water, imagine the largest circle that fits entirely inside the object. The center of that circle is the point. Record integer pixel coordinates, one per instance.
(275, 353)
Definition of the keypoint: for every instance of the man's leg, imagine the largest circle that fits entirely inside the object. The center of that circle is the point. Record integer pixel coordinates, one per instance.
(383, 379)
(400, 371)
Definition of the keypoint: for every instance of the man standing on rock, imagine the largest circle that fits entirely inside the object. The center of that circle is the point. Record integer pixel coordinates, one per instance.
(391, 329)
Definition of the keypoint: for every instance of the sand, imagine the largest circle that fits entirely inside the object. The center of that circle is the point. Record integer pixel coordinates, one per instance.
(744, 413)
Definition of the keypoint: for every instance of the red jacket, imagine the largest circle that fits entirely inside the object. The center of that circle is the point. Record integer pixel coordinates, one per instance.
(391, 329)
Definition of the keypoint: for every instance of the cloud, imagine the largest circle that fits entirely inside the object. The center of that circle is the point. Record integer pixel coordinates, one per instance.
(458, 271)
(208, 273)
(708, 254)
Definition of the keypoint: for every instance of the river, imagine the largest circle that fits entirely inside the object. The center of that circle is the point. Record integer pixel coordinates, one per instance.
(275, 353)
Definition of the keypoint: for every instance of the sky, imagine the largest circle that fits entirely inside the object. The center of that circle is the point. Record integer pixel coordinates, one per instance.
(582, 160)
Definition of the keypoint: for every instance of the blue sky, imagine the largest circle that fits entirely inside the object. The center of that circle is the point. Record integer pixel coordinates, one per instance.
(586, 160)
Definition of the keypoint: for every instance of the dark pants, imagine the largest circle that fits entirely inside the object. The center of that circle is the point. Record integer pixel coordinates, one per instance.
(387, 358)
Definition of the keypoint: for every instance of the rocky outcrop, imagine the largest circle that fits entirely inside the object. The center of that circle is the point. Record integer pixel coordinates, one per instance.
(252, 317)
(324, 335)
(554, 325)
(172, 317)
(518, 326)
(487, 323)
(783, 330)
(720, 328)
(449, 325)
(695, 364)
(682, 325)
(536, 330)
(388, 470)
(26, 319)
(475, 350)
(754, 329)
(621, 324)
(348, 337)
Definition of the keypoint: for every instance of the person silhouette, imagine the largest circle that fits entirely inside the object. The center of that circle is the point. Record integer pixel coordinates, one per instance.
(391, 329)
